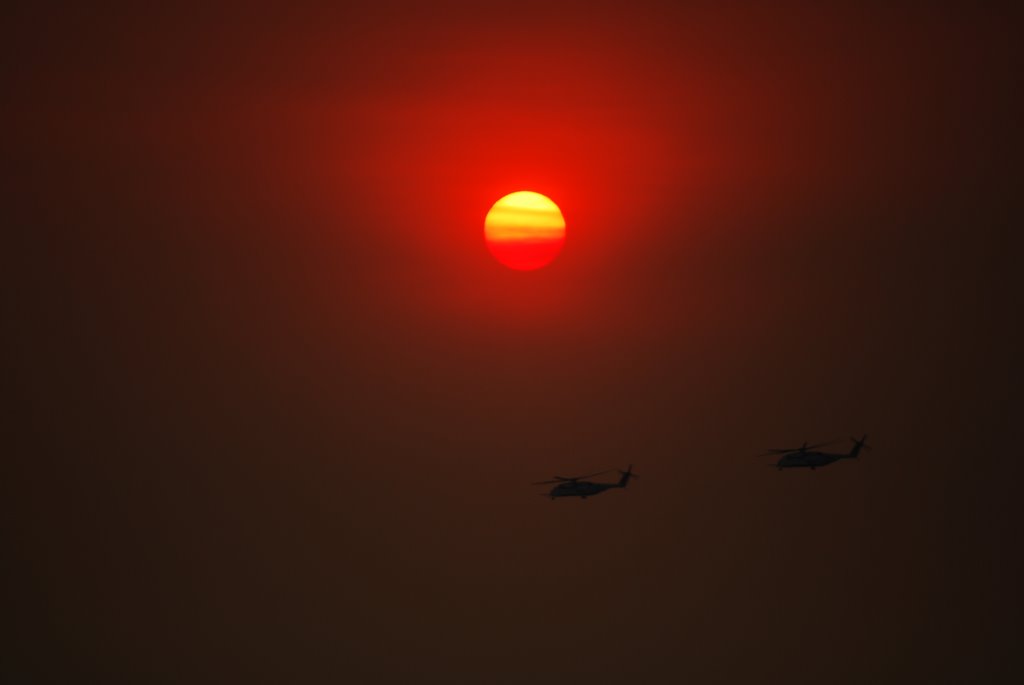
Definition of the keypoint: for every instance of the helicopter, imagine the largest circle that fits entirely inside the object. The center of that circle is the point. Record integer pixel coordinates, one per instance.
(577, 487)
(805, 456)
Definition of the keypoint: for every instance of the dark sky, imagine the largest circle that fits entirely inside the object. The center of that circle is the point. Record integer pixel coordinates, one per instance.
(275, 410)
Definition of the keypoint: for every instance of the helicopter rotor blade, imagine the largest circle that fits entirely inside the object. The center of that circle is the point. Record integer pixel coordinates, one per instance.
(802, 448)
(565, 479)
(590, 475)
(822, 444)
(573, 478)
(773, 452)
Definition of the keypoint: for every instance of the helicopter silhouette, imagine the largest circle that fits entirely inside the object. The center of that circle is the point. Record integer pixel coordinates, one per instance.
(804, 457)
(577, 487)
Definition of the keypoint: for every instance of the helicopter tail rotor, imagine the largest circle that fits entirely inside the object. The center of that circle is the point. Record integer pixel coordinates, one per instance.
(626, 475)
(858, 445)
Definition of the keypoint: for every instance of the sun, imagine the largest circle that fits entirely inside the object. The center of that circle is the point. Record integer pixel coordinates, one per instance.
(524, 230)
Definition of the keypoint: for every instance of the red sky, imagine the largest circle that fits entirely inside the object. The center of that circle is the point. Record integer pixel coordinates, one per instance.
(277, 409)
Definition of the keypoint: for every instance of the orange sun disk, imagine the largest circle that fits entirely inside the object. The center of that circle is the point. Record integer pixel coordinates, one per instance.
(524, 230)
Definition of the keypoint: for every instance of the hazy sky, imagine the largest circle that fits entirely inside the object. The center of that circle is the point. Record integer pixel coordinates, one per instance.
(275, 410)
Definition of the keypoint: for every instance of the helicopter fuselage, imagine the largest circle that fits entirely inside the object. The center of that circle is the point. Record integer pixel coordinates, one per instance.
(577, 487)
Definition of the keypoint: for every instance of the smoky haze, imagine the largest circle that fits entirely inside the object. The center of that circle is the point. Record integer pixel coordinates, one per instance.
(276, 410)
